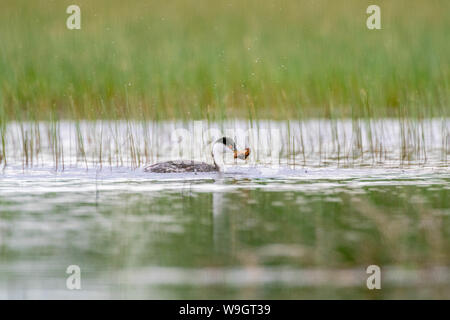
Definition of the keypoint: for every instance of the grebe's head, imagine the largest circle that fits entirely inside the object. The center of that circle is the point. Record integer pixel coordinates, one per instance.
(227, 145)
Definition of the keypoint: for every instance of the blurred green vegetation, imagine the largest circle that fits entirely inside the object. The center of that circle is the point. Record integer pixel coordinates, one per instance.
(202, 59)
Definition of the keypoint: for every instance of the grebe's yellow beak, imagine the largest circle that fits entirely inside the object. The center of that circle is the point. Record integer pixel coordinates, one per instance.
(242, 154)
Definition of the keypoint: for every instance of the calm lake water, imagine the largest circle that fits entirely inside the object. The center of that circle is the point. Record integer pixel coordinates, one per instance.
(304, 222)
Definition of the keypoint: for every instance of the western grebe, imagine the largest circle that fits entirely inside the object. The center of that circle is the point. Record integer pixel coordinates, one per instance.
(219, 148)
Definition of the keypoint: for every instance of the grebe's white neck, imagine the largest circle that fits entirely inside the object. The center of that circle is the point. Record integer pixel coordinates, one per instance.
(223, 146)
(218, 155)
(220, 148)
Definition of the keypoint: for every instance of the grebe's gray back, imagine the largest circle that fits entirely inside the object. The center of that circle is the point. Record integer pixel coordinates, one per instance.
(220, 147)
(179, 166)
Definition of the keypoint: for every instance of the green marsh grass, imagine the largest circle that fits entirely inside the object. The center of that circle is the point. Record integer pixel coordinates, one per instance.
(146, 61)
(156, 60)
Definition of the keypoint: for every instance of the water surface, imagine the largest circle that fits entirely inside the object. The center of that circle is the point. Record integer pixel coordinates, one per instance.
(278, 230)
